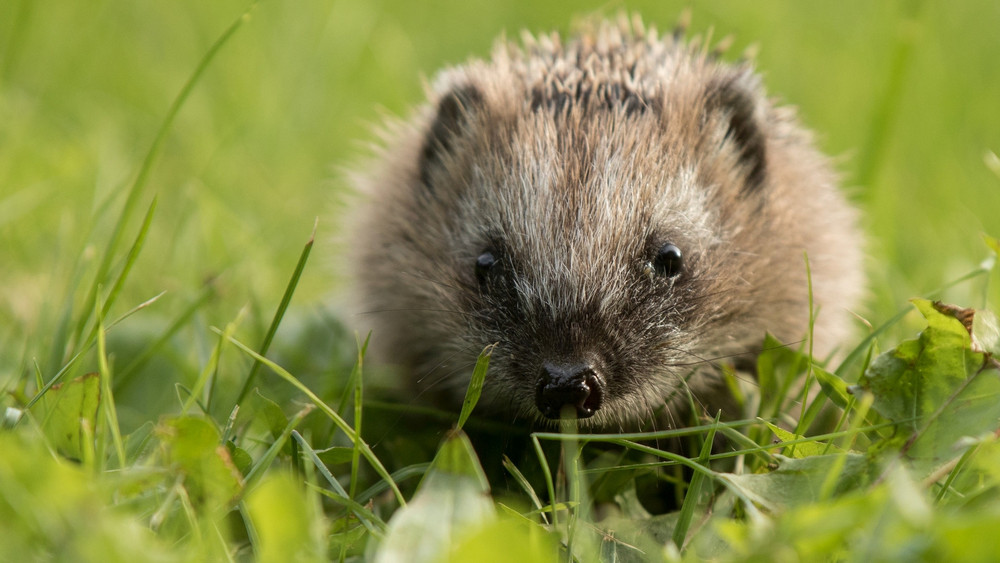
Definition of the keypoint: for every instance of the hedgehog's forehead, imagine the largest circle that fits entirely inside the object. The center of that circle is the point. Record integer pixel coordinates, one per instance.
(591, 174)
(551, 204)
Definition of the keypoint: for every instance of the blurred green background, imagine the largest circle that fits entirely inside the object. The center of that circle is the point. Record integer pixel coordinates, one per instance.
(905, 95)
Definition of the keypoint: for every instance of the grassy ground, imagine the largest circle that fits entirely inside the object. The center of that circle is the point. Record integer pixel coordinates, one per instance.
(904, 93)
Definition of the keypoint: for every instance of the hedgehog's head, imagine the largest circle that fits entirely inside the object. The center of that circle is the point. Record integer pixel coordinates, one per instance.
(597, 211)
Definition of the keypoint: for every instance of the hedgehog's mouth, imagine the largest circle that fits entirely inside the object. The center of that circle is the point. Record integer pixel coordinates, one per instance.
(569, 390)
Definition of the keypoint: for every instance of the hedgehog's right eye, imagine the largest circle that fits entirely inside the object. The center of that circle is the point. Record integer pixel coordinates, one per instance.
(668, 261)
(484, 265)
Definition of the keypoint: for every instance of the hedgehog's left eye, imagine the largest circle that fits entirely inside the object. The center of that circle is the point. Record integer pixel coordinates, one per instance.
(486, 263)
(668, 261)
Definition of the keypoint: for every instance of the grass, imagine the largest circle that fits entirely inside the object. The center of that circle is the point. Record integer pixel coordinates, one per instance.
(177, 387)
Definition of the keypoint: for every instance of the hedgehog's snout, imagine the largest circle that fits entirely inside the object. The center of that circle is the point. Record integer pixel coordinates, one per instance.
(576, 388)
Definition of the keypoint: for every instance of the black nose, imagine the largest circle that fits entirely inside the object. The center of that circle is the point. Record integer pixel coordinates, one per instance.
(578, 386)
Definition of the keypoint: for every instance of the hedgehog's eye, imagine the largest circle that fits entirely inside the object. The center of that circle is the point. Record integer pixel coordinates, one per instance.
(484, 265)
(668, 261)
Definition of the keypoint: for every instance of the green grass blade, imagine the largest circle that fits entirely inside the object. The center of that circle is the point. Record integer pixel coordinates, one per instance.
(698, 468)
(278, 315)
(135, 310)
(864, 348)
(227, 430)
(130, 258)
(265, 460)
(410, 471)
(809, 411)
(336, 418)
(649, 436)
(210, 367)
(107, 403)
(368, 519)
(738, 439)
(575, 493)
(72, 361)
(547, 473)
(956, 470)
(147, 164)
(522, 481)
(60, 336)
(694, 490)
(39, 380)
(55, 379)
(475, 389)
(356, 377)
(125, 376)
(830, 481)
(351, 387)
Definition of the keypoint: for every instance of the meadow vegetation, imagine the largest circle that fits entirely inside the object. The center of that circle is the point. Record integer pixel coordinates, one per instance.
(178, 382)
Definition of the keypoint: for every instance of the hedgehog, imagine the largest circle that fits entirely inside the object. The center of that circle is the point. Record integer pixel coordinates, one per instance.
(618, 216)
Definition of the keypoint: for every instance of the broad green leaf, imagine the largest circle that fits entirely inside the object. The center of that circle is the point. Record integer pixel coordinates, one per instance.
(506, 540)
(451, 502)
(456, 459)
(914, 378)
(635, 534)
(891, 521)
(799, 481)
(833, 386)
(241, 459)
(937, 388)
(800, 450)
(288, 526)
(271, 413)
(347, 536)
(56, 511)
(809, 532)
(192, 446)
(65, 409)
(335, 455)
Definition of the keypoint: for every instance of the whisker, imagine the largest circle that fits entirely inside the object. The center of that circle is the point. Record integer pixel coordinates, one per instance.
(714, 359)
(416, 310)
(441, 363)
(429, 279)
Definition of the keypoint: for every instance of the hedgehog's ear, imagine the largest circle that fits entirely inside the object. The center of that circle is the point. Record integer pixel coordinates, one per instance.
(734, 98)
(453, 113)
